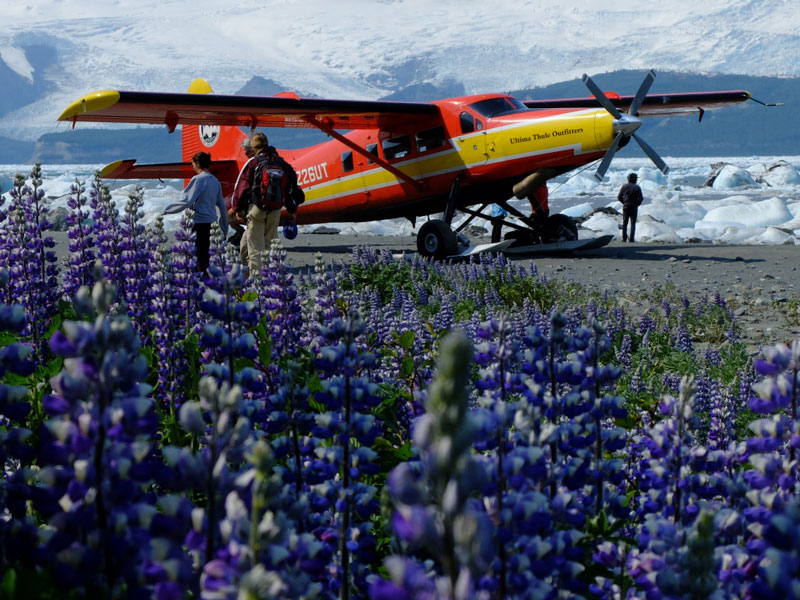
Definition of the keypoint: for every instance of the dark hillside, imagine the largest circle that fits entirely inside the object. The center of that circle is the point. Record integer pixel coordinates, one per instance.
(737, 131)
(748, 129)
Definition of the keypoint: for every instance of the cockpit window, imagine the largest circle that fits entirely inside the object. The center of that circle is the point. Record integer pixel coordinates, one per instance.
(467, 122)
(492, 107)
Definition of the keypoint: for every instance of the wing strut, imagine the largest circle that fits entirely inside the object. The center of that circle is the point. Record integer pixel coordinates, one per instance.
(362, 151)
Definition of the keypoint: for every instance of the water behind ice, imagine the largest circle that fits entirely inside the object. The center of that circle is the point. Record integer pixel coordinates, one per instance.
(753, 200)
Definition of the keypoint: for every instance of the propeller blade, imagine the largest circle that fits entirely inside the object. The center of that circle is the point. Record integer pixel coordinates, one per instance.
(657, 160)
(642, 92)
(601, 97)
(601, 170)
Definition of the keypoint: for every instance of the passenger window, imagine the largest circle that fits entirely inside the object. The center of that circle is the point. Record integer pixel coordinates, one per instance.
(430, 139)
(347, 161)
(372, 149)
(396, 147)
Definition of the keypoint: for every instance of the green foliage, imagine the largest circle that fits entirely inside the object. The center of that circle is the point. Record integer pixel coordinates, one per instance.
(734, 360)
(543, 294)
(384, 278)
(712, 325)
(430, 310)
(464, 309)
(599, 529)
(791, 312)
(22, 584)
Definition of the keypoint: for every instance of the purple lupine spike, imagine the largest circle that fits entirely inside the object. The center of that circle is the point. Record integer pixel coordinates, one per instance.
(683, 339)
(349, 397)
(136, 263)
(186, 283)
(98, 450)
(107, 233)
(32, 264)
(428, 500)
(169, 326)
(226, 333)
(82, 256)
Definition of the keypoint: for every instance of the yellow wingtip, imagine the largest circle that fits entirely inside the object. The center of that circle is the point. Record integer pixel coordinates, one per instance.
(110, 168)
(90, 103)
(200, 86)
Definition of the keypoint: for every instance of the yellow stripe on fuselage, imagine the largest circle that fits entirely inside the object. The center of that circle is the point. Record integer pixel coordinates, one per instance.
(582, 132)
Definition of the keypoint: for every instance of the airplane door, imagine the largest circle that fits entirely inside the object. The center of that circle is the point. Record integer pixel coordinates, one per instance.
(472, 144)
(369, 175)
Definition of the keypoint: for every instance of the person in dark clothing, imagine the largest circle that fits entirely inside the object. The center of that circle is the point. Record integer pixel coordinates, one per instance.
(630, 194)
(262, 223)
(237, 223)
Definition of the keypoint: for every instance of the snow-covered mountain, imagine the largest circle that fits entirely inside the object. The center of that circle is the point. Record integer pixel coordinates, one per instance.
(54, 51)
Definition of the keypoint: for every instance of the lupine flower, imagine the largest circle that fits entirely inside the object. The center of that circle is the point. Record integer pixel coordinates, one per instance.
(136, 262)
(97, 451)
(32, 264)
(432, 505)
(82, 243)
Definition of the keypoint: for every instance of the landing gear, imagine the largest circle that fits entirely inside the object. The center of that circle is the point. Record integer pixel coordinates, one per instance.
(437, 240)
(559, 228)
(556, 228)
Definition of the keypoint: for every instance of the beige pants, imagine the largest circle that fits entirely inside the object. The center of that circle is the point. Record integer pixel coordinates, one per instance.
(262, 228)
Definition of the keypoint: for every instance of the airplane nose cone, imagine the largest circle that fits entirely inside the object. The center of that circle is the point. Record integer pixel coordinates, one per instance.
(626, 124)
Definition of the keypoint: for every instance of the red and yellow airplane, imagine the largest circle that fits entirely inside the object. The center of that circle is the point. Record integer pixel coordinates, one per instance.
(404, 159)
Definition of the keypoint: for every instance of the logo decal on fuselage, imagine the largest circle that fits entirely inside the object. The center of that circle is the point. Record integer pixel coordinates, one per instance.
(209, 134)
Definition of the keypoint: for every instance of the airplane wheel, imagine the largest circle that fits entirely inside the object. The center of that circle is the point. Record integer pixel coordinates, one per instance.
(436, 239)
(561, 228)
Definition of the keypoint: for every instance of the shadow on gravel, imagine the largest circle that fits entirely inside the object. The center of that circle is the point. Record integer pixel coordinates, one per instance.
(655, 253)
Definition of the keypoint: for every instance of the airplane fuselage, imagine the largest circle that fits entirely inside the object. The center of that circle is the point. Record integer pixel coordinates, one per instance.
(490, 142)
(399, 159)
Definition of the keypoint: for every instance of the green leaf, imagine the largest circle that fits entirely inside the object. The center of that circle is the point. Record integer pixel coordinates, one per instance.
(8, 586)
(407, 367)
(265, 351)
(406, 339)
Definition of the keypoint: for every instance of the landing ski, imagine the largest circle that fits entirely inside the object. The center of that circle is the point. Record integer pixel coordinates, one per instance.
(561, 247)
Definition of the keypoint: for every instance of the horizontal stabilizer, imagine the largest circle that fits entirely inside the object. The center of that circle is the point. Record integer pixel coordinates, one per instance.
(224, 170)
(128, 169)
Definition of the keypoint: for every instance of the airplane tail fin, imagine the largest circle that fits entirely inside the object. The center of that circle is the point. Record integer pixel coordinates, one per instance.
(222, 142)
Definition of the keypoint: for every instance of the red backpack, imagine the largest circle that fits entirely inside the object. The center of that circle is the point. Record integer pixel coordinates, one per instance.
(275, 185)
(270, 183)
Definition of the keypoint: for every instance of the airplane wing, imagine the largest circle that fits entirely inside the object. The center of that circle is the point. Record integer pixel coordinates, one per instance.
(655, 105)
(244, 111)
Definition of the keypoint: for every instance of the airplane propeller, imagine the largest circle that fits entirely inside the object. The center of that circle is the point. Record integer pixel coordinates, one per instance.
(625, 124)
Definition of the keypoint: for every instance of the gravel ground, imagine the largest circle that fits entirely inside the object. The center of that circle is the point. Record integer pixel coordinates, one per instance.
(759, 283)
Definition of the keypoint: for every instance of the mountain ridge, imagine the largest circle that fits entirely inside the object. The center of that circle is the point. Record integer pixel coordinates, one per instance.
(749, 129)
